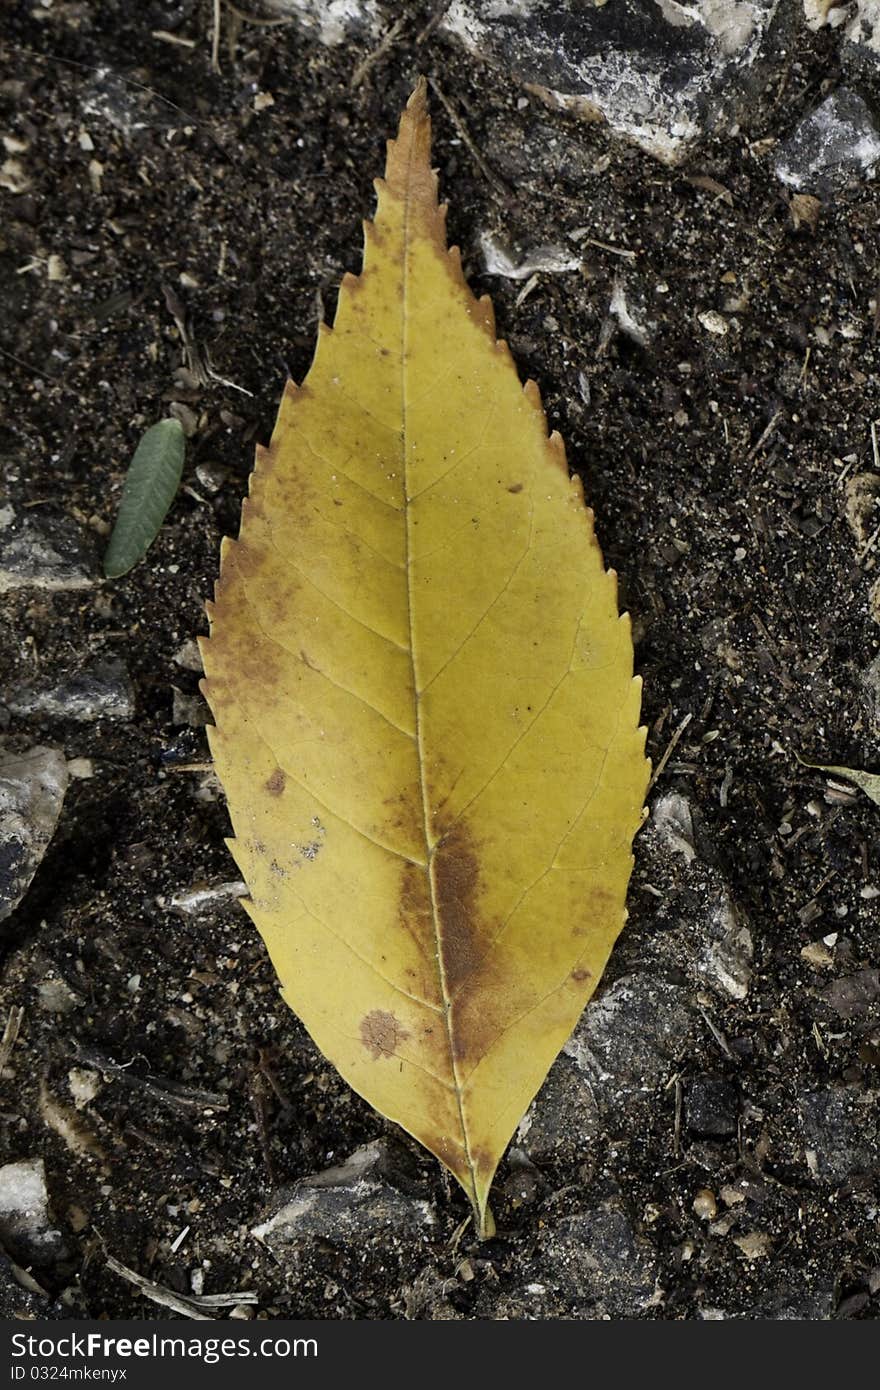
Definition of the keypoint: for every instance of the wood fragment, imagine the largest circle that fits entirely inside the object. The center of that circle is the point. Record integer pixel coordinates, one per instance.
(670, 749)
(157, 1293)
(10, 1034)
(164, 36)
(719, 1037)
(710, 185)
(215, 37)
(167, 1093)
(613, 250)
(676, 1131)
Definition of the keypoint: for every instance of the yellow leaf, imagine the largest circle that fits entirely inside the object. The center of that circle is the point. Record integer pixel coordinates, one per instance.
(426, 717)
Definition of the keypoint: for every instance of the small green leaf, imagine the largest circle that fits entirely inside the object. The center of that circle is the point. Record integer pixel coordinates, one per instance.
(150, 486)
(868, 782)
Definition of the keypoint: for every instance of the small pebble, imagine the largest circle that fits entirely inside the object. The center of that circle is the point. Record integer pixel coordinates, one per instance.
(705, 1206)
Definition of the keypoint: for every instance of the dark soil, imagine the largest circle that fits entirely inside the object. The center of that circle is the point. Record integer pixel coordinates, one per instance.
(714, 465)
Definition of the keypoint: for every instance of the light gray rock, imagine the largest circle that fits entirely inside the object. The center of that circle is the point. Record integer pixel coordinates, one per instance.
(836, 143)
(563, 1121)
(361, 1198)
(631, 1039)
(332, 21)
(726, 959)
(100, 691)
(25, 1219)
(541, 260)
(713, 939)
(863, 28)
(189, 710)
(855, 996)
(660, 72)
(711, 1107)
(44, 553)
(841, 1130)
(32, 788)
(672, 820)
(598, 1261)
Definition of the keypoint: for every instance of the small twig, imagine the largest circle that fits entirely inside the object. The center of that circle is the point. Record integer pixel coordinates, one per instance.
(764, 437)
(485, 169)
(803, 376)
(670, 749)
(223, 1300)
(869, 545)
(378, 52)
(719, 1037)
(614, 250)
(224, 381)
(167, 1092)
(179, 1239)
(215, 37)
(10, 1034)
(30, 367)
(455, 1239)
(676, 1128)
(156, 1292)
(188, 1306)
(179, 39)
(531, 284)
(432, 23)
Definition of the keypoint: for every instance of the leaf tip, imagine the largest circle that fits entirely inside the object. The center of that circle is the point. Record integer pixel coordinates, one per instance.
(417, 101)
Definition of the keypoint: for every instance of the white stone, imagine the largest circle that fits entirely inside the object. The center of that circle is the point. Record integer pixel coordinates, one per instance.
(332, 21)
(25, 1219)
(659, 77)
(32, 789)
(864, 27)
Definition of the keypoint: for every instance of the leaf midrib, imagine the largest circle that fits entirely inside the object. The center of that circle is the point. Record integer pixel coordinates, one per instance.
(429, 848)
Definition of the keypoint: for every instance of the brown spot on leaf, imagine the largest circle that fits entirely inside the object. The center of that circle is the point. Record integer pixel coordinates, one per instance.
(381, 1033)
(275, 783)
(581, 974)
(517, 487)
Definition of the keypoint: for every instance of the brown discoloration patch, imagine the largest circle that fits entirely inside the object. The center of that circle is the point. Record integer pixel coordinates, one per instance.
(405, 815)
(414, 906)
(275, 783)
(517, 487)
(597, 903)
(381, 1033)
(581, 974)
(456, 873)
